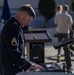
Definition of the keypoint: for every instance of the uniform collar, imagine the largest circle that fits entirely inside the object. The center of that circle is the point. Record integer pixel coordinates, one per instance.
(14, 19)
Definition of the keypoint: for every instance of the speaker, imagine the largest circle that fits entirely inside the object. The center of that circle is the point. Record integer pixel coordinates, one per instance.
(37, 52)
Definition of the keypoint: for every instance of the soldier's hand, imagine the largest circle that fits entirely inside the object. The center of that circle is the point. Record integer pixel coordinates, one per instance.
(36, 67)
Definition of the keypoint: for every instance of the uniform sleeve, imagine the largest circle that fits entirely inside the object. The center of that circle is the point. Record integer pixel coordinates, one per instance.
(13, 50)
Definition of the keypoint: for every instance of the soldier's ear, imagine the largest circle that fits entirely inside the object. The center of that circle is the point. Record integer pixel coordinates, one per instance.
(22, 15)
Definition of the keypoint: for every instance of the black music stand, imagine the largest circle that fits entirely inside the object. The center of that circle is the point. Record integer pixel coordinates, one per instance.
(35, 44)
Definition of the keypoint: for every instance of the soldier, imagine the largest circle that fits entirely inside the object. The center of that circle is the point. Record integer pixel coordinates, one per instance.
(13, 43)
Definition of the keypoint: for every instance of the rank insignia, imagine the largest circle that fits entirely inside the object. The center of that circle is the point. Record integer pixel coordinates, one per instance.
(14, 42)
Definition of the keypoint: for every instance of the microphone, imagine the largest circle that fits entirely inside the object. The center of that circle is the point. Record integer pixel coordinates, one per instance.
(27, 29)
(34, 36)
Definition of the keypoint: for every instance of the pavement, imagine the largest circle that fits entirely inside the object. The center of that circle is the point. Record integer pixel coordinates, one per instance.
(51, 55)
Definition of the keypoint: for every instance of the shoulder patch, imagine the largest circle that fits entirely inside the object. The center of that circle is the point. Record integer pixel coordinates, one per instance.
(14, 42)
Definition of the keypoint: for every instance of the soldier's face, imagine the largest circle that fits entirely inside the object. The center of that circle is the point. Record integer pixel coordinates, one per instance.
(26, 19)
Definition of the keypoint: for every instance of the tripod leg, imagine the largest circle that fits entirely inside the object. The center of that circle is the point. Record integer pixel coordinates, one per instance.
(67, 58)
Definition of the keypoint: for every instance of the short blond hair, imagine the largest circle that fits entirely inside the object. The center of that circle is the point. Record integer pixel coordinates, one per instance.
(66, 7)
(59, 7)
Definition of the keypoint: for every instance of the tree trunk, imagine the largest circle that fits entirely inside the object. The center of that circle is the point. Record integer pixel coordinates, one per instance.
(45, 22)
